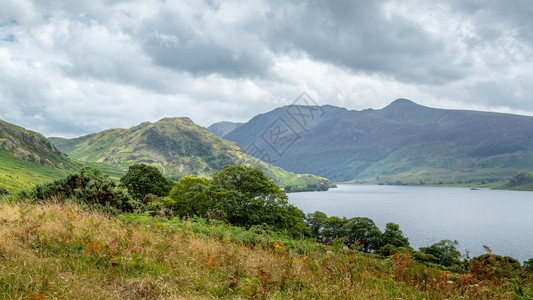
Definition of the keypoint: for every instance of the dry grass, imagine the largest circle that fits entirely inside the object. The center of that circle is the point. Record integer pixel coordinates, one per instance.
(58, 251)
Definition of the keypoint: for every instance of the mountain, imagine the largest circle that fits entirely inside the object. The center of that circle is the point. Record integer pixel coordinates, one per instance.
(222, 128)
(178, 147)
(28, 158)
(403, 143)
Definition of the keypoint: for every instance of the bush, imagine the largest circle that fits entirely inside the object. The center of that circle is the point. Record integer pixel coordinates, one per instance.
(90, 186)
(490, 266)
(388, 250)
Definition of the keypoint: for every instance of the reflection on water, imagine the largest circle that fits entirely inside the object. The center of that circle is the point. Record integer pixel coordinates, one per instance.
(502, 220)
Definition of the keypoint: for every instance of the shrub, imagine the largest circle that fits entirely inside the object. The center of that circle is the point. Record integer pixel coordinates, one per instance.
(90, 186)
(491, 266)
(388, 250)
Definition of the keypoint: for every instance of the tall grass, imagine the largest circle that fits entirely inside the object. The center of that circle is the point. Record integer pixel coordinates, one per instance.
(60, 251)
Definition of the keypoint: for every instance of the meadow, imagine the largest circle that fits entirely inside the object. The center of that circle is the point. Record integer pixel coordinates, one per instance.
(62, 250)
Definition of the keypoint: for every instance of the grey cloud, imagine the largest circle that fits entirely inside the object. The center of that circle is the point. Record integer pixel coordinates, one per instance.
(202, 57)
(176, 43)
(499, 20)
(359, 36)
(69, 67)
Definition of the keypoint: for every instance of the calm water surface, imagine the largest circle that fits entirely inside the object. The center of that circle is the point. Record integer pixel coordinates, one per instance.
(502, 220)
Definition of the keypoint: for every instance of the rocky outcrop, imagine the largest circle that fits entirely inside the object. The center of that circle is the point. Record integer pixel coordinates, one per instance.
(31, 146)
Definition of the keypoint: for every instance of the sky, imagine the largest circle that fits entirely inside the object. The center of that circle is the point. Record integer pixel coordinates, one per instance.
(73, 67)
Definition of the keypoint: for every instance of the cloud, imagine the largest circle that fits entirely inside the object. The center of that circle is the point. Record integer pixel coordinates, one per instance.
(73, 67)
(364, 37)
(204, 44)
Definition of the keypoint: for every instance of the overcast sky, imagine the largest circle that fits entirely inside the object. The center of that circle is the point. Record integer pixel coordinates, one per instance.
(74, 67)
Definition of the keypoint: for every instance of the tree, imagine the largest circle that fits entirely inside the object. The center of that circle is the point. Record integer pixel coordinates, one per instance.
(190, 197)
(143, 179)
(249, 198)
(393, 236)
(362, 232)
(244, 194)
(316, 222)
(445, 252)
(528, 265)
(334, 228)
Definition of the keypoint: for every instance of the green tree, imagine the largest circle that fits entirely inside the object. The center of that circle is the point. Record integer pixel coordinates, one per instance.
(334, 228)
(249, 198)
(528, 265)
(244, 194)
(445, 252)
(190, 196)
(393, 236)
(143, 179)
(316, 222)
(362, 232)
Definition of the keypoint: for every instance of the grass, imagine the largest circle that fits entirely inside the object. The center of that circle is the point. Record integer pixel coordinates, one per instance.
(60, 251)
(17, 174)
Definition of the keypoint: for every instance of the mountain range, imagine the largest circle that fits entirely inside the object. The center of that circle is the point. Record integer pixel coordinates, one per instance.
(178, 147)
(403, 143)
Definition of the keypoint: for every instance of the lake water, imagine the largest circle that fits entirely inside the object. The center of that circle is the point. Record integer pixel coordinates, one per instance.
(502, 220)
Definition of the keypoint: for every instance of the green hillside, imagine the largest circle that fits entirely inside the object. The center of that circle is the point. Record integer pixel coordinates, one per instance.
(28, 158)
(403, 143)
(178, 147)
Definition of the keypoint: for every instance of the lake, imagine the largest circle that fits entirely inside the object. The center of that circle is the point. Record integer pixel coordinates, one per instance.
(502, 220)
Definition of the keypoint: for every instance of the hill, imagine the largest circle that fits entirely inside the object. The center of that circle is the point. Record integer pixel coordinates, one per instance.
(28, 158)
(222, 128)
(403, 143)
(178, 147)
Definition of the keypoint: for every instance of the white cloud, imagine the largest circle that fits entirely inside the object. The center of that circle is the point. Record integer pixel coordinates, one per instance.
(75, 67)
